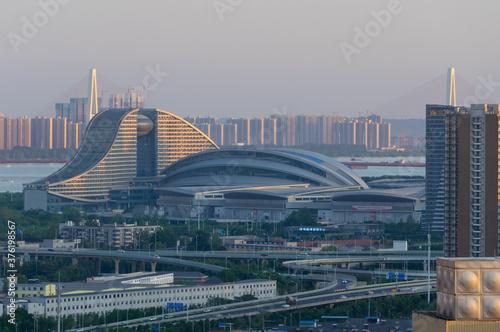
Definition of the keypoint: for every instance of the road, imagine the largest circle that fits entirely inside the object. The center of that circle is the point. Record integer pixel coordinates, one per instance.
(308, 299)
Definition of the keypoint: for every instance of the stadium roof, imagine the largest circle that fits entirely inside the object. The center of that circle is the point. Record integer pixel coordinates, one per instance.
(247, 167)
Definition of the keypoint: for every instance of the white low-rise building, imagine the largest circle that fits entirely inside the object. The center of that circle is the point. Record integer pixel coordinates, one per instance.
(95, 299)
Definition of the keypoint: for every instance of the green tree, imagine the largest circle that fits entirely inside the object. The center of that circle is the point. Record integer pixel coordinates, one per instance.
(118, 219)
(201, 241)
(302, 217)
(71, 213)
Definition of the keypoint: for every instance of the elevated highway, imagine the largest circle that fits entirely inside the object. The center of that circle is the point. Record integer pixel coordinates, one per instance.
(323, 262)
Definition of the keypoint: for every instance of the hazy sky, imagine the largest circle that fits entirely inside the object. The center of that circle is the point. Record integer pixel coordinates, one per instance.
(247, 57)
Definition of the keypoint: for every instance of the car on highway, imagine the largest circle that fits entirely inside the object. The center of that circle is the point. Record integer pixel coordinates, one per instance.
(285, 305)
(156, 256)
(343, 297)
(120, 250)
(50, 249)
(152, 318)
(207, 310)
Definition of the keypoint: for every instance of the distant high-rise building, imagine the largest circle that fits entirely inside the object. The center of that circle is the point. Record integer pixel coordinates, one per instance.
(24, 131)
(363, 135)
(433, 216)
(472, 182)
(269, 132)
(256, 131)
(230, 132)
(75, 110)
(2, 129)
(207, 120)
(204, 128)
(285, 130)
(217, 133)
(75, 133)
(373, 129)
(292, 130)
(374, 118)
(243, 134)
(10, 132)
(42, 133)
(385, 135)
(126, 100)
(60, 133)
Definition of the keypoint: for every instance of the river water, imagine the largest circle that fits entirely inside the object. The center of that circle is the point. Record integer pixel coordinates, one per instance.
(12, 176)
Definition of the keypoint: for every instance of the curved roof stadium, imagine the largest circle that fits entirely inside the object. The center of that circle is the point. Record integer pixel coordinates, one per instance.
(119, 144)
(249, 167)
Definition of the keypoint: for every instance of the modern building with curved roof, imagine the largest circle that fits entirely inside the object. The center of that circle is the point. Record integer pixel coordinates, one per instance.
(245, 183)
(119, 145)
(258, 166)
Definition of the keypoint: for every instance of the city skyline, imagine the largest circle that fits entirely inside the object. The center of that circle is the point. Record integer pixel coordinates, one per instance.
(195, 59)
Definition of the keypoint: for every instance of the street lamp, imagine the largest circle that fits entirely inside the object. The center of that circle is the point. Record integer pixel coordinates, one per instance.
(139, 241)
(284, 317)
(390, 312)
(150, 248)
(156, 231)
(196, 238)
(204, 255)
(226, 260)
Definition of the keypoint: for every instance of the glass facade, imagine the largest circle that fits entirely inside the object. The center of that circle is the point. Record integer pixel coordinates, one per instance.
(433, 217)
(115, 169)
(114, 151)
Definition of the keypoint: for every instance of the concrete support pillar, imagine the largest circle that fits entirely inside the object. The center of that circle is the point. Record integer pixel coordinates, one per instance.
(74, 261)
(382, 266)
(117, 266)
(153, 266)
(142, 266)
(134, 266)
(97, 262)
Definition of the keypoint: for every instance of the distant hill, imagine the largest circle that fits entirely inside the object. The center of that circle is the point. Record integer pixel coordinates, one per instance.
(407, 127)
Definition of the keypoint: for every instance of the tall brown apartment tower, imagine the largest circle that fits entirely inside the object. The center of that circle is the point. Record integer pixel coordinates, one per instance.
(471, 181)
